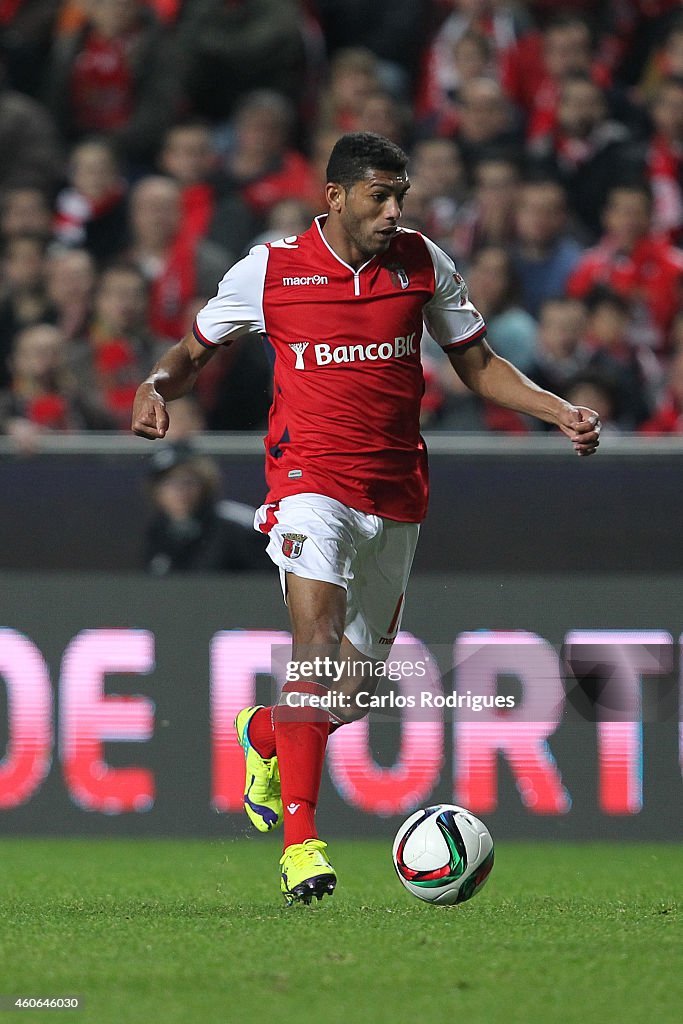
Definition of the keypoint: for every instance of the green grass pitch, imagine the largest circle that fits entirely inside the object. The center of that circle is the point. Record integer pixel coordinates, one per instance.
(196, 933)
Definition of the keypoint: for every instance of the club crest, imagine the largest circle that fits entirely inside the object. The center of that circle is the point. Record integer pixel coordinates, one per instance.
(398, 275)
(292, 544)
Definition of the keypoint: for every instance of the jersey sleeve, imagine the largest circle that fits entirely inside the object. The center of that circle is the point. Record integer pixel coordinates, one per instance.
(237, 307)
(449, 316)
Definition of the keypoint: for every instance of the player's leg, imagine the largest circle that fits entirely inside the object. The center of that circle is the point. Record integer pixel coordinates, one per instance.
(375, 604)
(309, 535)
(312, 541)
(317, 610)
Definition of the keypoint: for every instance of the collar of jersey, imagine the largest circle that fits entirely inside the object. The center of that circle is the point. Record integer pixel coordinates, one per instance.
(319, 221)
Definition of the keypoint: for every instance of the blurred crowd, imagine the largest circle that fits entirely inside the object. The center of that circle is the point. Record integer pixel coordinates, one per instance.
(146, 145)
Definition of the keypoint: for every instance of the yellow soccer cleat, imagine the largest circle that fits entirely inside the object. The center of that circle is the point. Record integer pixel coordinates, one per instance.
(262, 797)
(306, 872)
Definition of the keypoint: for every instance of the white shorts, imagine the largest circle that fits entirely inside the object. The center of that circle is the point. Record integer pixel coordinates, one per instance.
(319, 538)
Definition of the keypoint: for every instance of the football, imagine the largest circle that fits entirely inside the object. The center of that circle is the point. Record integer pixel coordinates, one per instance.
(443, 854)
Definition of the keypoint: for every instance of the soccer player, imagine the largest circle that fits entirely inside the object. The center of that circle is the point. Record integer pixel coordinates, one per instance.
(343, 306)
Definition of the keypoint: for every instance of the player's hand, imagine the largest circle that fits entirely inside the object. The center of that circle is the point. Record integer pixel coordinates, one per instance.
(150, 418)
(582, 427)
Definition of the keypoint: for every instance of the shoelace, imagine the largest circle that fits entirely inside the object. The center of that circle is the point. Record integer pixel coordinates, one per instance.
(262, 785)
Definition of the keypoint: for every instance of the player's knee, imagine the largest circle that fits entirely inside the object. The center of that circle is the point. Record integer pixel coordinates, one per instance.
(316, 634)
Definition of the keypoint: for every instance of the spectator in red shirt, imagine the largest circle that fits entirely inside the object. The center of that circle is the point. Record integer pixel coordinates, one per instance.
(664, 158)
(629, 258)
(103, 365)
(262, 164)
(187, 155)
(472, 56)
(535, 68)
(179, 268)
(585, 150)
(35, 400)
(442, 77)
(117, 75)
(210, 209)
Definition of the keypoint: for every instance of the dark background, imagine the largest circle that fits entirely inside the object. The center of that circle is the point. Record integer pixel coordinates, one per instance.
(514, 511)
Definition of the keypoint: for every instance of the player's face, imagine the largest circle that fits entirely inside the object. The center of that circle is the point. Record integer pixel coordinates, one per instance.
(371, 209)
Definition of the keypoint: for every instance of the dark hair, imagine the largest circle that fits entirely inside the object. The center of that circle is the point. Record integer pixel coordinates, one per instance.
(512, 293)
(603, 295)
(631, 182)
(121, 265)
(602, 381)
(357, 153)
(40, 241)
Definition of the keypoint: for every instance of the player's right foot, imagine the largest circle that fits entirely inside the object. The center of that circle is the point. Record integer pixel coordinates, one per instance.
(306, 872)
(262, 797)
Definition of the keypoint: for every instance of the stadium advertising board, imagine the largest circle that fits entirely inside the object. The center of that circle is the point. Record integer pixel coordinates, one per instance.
(548, 706)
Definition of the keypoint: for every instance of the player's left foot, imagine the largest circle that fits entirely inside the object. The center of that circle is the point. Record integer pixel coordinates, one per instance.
(306, 872)
(262, 796)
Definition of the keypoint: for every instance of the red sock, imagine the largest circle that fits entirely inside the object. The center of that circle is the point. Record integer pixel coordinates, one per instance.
(261, 732)
(301, 738)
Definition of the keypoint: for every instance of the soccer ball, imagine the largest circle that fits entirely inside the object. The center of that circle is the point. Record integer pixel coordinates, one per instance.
(443, 854)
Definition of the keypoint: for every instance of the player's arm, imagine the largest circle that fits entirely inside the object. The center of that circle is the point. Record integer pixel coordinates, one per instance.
(173, 376)
(497, 380)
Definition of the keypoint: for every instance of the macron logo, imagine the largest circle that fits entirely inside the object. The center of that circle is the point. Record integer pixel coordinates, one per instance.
(290, 282)
(293, 808)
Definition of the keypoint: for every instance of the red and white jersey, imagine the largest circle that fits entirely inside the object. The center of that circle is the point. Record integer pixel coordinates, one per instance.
(348, 377)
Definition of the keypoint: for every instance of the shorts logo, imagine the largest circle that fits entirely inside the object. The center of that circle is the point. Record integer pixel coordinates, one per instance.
(298, 348)
(292, 544)
(398, 275)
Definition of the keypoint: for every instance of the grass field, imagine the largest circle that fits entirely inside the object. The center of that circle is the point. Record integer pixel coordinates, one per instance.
(195, 932)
